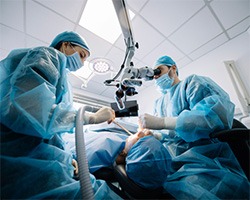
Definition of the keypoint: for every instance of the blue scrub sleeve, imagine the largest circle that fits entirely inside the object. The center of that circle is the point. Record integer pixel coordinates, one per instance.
(210, 109)
(35, 95)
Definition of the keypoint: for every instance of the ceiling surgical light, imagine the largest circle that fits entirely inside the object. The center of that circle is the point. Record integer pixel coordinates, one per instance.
(101, 65)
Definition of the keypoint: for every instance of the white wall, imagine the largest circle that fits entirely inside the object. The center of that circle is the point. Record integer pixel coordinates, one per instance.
(212, 65)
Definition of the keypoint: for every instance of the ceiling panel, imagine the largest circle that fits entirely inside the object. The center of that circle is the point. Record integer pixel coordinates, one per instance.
(140, 63)
(120, 42)
(231, 12)
(75, 82)
(3, 53)
(165, 48)
(109, 92)
(239, 28)
(94, 86)
(41, 26)
(168, 15)
(32, 42)
(98, 46)
(68, 8)
(11, 14)
(136, 5)
(101, 78)
(193, 34)
(11, 39)
(116, 56)
(183, 62)
(211, 45)
(143, 34)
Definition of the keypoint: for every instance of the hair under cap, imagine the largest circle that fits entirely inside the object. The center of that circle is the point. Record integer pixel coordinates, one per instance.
(70, 36)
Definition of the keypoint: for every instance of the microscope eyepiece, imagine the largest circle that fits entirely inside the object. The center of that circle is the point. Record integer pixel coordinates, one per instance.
(157, 72)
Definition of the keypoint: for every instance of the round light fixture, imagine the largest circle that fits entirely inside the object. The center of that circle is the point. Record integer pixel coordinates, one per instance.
(101, 65)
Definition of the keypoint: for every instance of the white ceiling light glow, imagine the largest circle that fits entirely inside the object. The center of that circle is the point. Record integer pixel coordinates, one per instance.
(101, 65)
(99, 17)
(84, 74)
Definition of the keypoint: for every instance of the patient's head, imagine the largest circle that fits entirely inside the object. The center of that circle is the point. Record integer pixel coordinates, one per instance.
(148, 163)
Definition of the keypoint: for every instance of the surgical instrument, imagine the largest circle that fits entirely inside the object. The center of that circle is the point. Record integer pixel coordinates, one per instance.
(122, 127)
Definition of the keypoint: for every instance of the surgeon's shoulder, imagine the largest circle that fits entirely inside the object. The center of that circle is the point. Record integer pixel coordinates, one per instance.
(49, 52)
(193, 79)
(17, 53)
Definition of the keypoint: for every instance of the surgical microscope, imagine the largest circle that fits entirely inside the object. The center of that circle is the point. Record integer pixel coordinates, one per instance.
(131, 76)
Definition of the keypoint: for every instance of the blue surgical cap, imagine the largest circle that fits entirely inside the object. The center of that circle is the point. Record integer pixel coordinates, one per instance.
(70, 36)
(148, 163)
(165, 60)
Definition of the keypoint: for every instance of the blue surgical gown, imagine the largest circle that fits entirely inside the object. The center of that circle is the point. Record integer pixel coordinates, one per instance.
(201, 168)
(35, 96)
(200, 105)
(36, 109)
(204, 169)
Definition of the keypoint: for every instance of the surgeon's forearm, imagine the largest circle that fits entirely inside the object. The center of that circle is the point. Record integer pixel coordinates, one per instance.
(157, 123)
(62, 120)
(170, 123)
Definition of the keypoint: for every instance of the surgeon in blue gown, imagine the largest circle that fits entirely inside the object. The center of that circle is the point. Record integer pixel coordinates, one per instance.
(186, 113)
(36, 109)
(193, 108)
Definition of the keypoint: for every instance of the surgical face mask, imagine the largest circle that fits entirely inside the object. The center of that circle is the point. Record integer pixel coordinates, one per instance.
(164, 82)
(74, 61)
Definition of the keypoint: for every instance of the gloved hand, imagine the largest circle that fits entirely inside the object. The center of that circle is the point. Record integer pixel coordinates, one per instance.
(157, 123)
(130, 141)
(102, 115)
(75, 165)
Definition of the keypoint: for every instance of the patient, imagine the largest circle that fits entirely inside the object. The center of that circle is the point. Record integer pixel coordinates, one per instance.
(147, 161)
(104, 148)
(203, 169)
(130, 141)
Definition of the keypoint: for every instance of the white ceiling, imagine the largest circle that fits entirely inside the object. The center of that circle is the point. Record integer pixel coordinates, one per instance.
(183, 29)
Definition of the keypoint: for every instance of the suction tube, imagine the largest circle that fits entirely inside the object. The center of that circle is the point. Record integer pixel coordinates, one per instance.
(85, 182)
